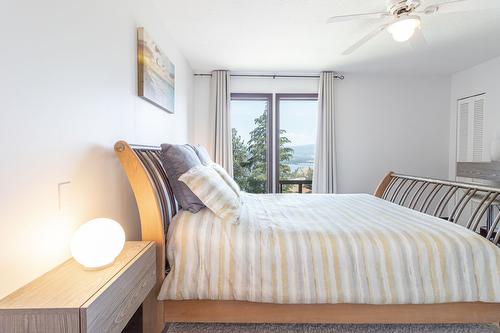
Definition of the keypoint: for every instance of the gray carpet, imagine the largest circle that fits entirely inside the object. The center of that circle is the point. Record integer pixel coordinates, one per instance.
(274, 328)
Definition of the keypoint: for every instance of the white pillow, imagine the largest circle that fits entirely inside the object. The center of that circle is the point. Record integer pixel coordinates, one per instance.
(213, 191)
(227, 178)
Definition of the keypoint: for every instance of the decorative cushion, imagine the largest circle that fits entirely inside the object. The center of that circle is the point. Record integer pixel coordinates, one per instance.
(213, 191)
(203, 154)
(205, 159)
(227, 178)
(177, 160)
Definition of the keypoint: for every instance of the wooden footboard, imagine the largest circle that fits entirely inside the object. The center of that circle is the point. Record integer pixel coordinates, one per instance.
(470, 205)
(157, 206)
(384, 183)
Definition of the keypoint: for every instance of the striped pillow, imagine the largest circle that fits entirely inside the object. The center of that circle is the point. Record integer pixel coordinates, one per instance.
(206, 160)
(213, 191)
(227, 178)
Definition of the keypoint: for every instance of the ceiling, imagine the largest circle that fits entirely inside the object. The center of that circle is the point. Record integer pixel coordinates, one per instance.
(292, 36)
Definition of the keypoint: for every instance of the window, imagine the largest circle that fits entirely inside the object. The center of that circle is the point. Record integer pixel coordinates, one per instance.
(251, 133)
(296, 119)
(289, 165)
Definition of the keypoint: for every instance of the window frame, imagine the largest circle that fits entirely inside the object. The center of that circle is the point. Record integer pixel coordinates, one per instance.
(269, 123)
(278, 98)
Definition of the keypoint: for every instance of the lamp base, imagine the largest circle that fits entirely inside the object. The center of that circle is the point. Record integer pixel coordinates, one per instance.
(98, 268)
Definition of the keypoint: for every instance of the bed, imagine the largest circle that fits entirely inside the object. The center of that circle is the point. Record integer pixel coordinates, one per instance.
(388, 258)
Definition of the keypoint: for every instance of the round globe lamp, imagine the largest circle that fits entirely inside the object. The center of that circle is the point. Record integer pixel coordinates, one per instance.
(97, 243)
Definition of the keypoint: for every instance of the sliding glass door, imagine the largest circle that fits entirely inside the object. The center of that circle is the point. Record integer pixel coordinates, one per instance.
(274, 151)
(296, 123)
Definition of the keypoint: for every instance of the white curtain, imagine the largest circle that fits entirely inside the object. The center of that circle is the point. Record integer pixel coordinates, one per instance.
(325, 166)
(220, 102)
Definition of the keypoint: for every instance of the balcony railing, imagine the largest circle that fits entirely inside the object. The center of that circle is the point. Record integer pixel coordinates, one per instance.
(302, 184)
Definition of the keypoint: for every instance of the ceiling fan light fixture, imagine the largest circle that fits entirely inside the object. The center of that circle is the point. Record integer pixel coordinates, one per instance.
(404, 28)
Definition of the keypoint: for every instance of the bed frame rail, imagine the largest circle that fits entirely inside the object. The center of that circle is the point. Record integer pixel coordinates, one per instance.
(474, 206)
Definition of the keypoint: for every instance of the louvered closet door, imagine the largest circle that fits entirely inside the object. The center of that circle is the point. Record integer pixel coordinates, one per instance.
(478, 129)
(463, 131)
(471, 126)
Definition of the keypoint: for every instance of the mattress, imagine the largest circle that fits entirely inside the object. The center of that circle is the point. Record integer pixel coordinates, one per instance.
(314, 248)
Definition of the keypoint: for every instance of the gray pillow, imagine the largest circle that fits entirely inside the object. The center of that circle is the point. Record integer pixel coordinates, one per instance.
(202, 154)
(177, 160)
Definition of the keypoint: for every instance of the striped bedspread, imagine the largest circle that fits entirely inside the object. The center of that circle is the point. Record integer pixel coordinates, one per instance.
(328, 249)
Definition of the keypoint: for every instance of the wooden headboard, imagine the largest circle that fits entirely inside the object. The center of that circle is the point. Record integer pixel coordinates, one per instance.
(153, 193)
(157, 206)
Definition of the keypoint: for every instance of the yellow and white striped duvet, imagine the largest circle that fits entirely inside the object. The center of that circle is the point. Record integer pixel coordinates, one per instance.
(328, 249)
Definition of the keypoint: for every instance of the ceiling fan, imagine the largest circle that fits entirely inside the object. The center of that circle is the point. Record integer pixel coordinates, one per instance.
(403, 19)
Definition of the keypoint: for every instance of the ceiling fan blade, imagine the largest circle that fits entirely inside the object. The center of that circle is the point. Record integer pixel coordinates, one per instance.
(364, 16)
(418, 41)
(365, 39)
(456, 6)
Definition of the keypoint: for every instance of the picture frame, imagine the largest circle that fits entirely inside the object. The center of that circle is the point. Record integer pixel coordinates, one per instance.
(156, 73)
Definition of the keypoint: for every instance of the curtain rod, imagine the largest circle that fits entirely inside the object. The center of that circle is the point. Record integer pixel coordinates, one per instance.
(274, 76)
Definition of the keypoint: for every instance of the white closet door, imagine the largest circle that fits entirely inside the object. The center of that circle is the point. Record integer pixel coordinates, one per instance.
(471, 127)
(478, 130)
(463, 131)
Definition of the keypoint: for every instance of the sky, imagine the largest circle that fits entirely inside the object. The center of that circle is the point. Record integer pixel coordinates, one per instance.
(298, 118)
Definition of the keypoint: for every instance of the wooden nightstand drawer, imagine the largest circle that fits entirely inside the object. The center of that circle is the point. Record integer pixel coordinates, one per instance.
(111, 308)
(70, 299)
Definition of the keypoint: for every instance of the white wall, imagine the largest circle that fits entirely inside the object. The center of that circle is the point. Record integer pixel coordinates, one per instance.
(68, 92)
(391, 123)
(482, 78)
(383, 123)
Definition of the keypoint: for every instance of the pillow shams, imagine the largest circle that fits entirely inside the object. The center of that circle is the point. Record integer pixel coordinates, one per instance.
(177, 160)
(206, 160)
(202, 154)
(227, 178)
(212, 190)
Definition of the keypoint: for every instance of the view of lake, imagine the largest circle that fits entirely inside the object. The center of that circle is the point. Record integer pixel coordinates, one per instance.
(303, 157)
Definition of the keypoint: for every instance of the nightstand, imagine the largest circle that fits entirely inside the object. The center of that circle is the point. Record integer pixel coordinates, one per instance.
(70, 299)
